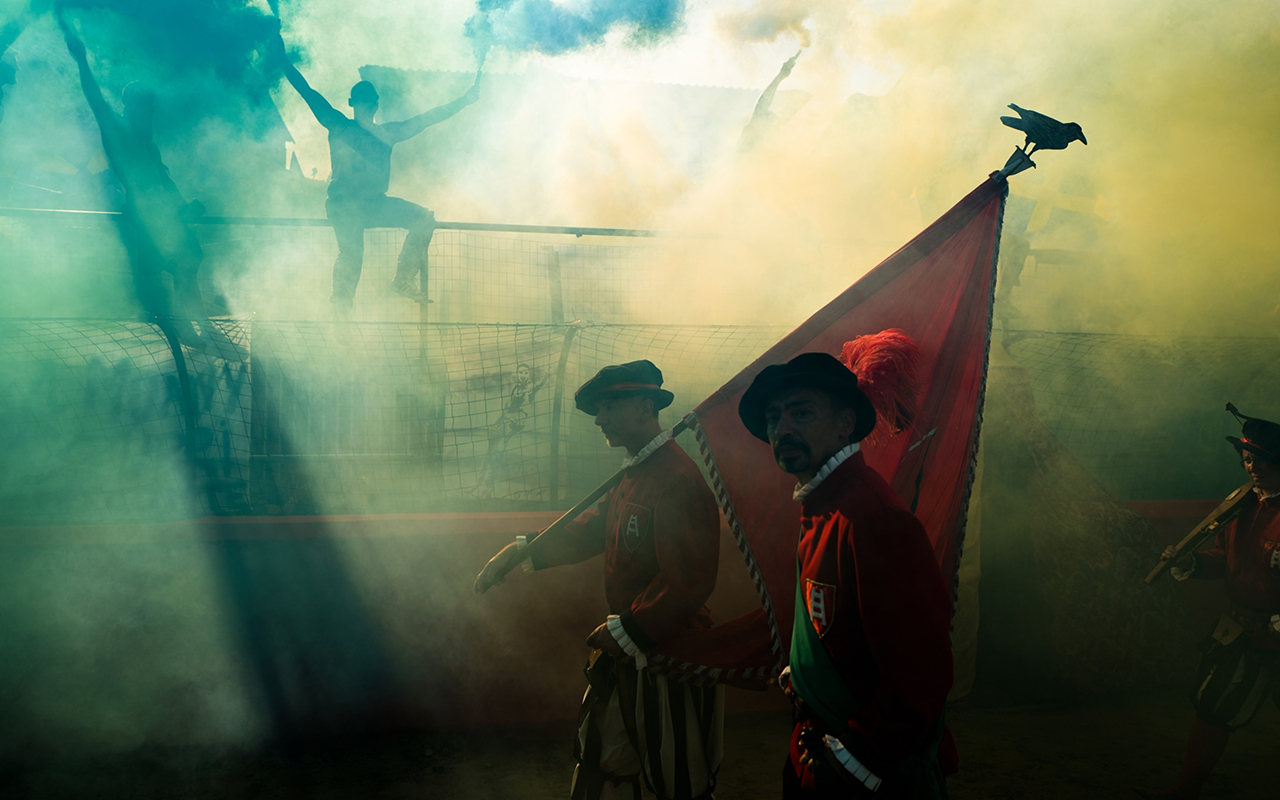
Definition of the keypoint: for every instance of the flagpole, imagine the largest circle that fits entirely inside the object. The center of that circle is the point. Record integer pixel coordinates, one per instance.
(582, 505)
(1015, 165)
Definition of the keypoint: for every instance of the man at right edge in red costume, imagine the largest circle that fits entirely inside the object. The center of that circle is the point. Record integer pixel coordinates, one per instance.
(1240, 661)
(870, 662)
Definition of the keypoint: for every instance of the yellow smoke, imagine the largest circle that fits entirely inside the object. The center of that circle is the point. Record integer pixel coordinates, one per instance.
(1180, 103)
(1179, 100)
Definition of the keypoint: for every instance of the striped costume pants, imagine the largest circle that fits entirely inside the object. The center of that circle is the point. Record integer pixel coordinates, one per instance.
(1233, 681)
(637, 725)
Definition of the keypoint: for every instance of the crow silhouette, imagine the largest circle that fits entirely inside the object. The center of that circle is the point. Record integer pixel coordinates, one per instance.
(1043, 133)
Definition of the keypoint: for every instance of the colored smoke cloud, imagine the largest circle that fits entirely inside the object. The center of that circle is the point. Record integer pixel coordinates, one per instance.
(225, 37)
(767, 22)
(546, 27)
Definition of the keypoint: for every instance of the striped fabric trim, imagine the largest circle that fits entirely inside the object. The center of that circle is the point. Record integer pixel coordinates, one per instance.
(700, 674)
(831, 466)
(1234, 682)
(855, 767)
(636, 726)
(624, 641)
(648, 450)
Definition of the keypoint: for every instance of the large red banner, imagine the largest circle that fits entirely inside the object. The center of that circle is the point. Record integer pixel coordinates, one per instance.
(939, 289)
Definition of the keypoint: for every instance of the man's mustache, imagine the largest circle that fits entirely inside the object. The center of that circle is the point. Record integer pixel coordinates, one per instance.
(791, 441)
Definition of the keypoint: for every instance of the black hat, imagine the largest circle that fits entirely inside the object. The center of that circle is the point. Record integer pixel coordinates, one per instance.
(811, 371)
(1258, 436)
(635, 378)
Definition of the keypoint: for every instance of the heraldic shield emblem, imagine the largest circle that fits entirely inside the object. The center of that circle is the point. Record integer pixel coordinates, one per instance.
(820, 598)
(635, 525)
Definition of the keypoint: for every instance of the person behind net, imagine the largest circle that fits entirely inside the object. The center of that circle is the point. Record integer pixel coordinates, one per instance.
(360, 161)
(659, 532)
(154, 217)
(1240, 660)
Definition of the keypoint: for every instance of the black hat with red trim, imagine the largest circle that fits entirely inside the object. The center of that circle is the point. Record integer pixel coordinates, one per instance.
(1259, 436)
(806, 371)
(633, 379)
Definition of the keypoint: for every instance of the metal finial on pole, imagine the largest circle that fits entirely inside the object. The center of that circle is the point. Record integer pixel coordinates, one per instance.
(1018, 162)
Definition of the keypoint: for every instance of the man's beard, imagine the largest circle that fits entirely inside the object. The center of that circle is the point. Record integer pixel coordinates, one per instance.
(800, 446)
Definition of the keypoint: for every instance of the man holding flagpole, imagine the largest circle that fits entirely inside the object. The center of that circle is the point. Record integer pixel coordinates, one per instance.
(659, 531)
(870, 662)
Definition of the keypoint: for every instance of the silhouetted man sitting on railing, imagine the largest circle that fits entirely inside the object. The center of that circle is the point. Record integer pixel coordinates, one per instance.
(153, 221)
(360, 158)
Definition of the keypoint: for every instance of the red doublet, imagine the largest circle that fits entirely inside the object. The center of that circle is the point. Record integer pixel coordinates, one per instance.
(1246, 554)
(877, 598)
(659, 530)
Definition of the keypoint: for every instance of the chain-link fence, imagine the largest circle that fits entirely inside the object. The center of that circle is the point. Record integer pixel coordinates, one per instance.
(321, 418)
(341, 418)
(472, 409)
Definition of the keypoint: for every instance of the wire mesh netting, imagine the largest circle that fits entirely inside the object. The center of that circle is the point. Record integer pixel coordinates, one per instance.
(75, 265)
(89, 421)
(113, 421)
(341, 418)
(285, 272)
(322, 418)
(471, 276)
(1146, 414)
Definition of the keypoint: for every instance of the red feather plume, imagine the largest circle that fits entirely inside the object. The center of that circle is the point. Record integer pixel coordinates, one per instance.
(886, 364)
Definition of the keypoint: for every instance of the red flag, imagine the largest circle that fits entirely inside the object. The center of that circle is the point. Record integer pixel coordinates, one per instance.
(939, 289)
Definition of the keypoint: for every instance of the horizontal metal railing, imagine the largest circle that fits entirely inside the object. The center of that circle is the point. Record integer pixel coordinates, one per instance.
(312, 222)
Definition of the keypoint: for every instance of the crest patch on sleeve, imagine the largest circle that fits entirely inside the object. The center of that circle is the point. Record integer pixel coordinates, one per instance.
(636, 522)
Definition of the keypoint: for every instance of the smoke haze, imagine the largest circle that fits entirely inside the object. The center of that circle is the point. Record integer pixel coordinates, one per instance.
(592, 113)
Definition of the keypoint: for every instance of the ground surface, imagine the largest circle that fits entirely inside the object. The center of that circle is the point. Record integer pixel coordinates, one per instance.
(1097, 751)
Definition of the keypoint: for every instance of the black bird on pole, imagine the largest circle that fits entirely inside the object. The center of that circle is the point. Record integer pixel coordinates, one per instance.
(1043, 132)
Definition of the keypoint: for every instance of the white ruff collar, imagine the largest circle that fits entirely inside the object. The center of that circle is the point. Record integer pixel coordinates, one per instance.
(647, 450)
(844, 455)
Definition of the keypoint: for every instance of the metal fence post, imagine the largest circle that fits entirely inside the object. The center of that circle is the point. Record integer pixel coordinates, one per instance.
(556, 284)
(557, 412)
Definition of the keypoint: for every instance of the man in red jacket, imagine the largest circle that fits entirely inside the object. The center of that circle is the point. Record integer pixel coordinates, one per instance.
(1240, 662)
(659, 531)
(870, 663)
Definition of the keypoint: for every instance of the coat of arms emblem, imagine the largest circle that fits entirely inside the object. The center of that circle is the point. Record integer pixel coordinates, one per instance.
(635, 525)
(820, 599)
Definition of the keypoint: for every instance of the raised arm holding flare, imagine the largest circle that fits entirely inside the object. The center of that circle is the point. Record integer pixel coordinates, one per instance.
(153, 221)
(761, 117)
(360, 161)
(8, 65)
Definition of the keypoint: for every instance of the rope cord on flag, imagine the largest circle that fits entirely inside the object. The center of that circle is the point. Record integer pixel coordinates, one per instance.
(971, 474)
(753, 569)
